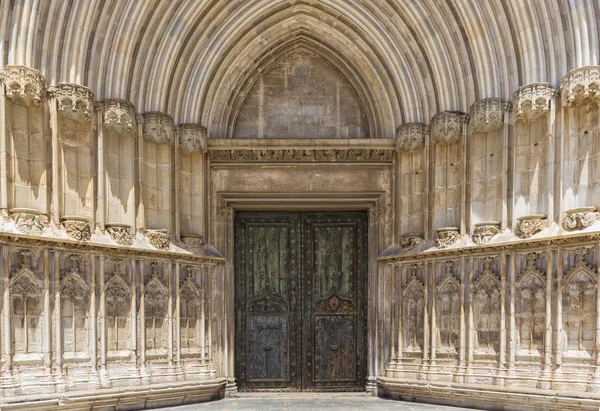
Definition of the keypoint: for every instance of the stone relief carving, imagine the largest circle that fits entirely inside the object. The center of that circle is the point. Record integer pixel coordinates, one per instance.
(447, 126)
(448, 306)
(158, 128)
(29, 221)
(531, 305)
(483, 232)
(118, 115)
(78, 228)
(121, 233)
(532, 101)
(486, 299)
(580, 218)
(446, 236)
(193, 242)
(74, 102)
(412, 312)
(581, 86)
(192, 138)
(302, 155)
(410, 241)
(159, 239)
(411, 136)
(530, 225)
(73, 286)
(488, 115)
(24, 86)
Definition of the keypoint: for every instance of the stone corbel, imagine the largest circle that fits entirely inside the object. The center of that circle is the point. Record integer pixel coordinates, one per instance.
(74, 102)
(192, 138)
(488, 115)
(529, 225)
(158, 239)
(581, 86)
(483, 232)
(446, 236)
(580, 218)
(29, 221)
(121, 233)
(410, 241)
(118, 115)
(532, 101)
(411, 137)
(158, 128)
(24, 86)
(447, 126)
(193, 242)
(78, 228)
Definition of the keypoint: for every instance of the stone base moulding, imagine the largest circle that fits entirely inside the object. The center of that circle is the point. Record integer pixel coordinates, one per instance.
(126, 398)
(580, 218)
(529, 225)
(28, 220)
(446, 236)
(121, 233)
(78, 228)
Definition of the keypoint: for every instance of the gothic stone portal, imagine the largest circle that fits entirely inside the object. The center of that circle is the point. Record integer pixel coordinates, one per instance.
(301, 300)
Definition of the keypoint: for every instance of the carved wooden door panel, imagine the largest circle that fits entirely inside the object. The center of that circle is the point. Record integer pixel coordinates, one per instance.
(335, 286)
(300, 300)
(267, 300)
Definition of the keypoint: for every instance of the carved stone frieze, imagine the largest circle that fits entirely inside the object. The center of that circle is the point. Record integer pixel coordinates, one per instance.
(528, 226)
(532, 101)
(78, 228)
(24, 86)
(447, 126)
(28, 221)
(158, 128)
(193, 242)
(446, 236)
(488, 115)
(74, 102)
(159, 239)
(411, 136)
(118, 115)
(484, 231)
(410, 241)
(121, 233)
(192, 138)
(580, 218)
(581, 86)
(302, 155)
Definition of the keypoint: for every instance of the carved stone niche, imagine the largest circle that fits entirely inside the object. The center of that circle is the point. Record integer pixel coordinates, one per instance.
(446, 236)
(158, 239)
(158, 128)
(192, 138)
(24, 86)
(581, 86)
(29, 221)
(411, 136)
(193, 242)
(447, 126)
(118, 115)
(484, 231)
(580, 218)
(411, 241)
(488, 115)
(78, 228)
(533, 101)
(74, 102)
(121, 233)
(529, 225)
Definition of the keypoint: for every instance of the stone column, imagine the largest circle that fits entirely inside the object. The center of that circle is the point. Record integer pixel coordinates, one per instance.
(142, 352)
(6, 320)
(3, 154)
(463, 339)
(133, 312)
(471, 325)
(92, 314)
(101, 210)
(203, 291)
(57, 309)
(427, 278)
(55, 209)
(177, 316)
(434, 327)
(512, 345)
(596, 381)
(373, 291)
(502, 359)
(400, 273)
(558, 340)
(140, 191)
(102, 323)
(546, 372)
(391, 273)
(170, 311)
(229, 313)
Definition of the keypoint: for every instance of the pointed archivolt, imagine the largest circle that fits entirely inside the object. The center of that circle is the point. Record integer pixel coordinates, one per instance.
(412, 315)
(116, 287)
(155, 291)
(25, 283)
(73, 286)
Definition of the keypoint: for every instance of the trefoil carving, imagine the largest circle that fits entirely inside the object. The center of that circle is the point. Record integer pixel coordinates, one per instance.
(192, 138)
(74, 102)
(411, 137)
(581, 86)
(447, 126)
(532, 101)
(118, 115)
(24, 86)
(158, 128)
(488, 115)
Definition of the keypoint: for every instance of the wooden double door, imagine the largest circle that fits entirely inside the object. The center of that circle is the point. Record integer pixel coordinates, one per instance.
(300, 301)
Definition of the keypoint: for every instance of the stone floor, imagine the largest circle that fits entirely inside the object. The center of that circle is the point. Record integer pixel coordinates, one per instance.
(310, 401)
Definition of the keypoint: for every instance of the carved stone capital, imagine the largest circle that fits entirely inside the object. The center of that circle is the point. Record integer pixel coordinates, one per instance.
(446, 236)
(192, 138)
(121, 233)
(118, 115)
(411, 136)
(158, 128)
(532, 101)
(410, 241)
(28, 221)
(484, 231)
(529, 225)
(24, 86)
(488, 115)
(447, 126)
(78, 228)
(581, 86)
(159, 239)
(193, 242)
(74, 102)
(580, 218)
